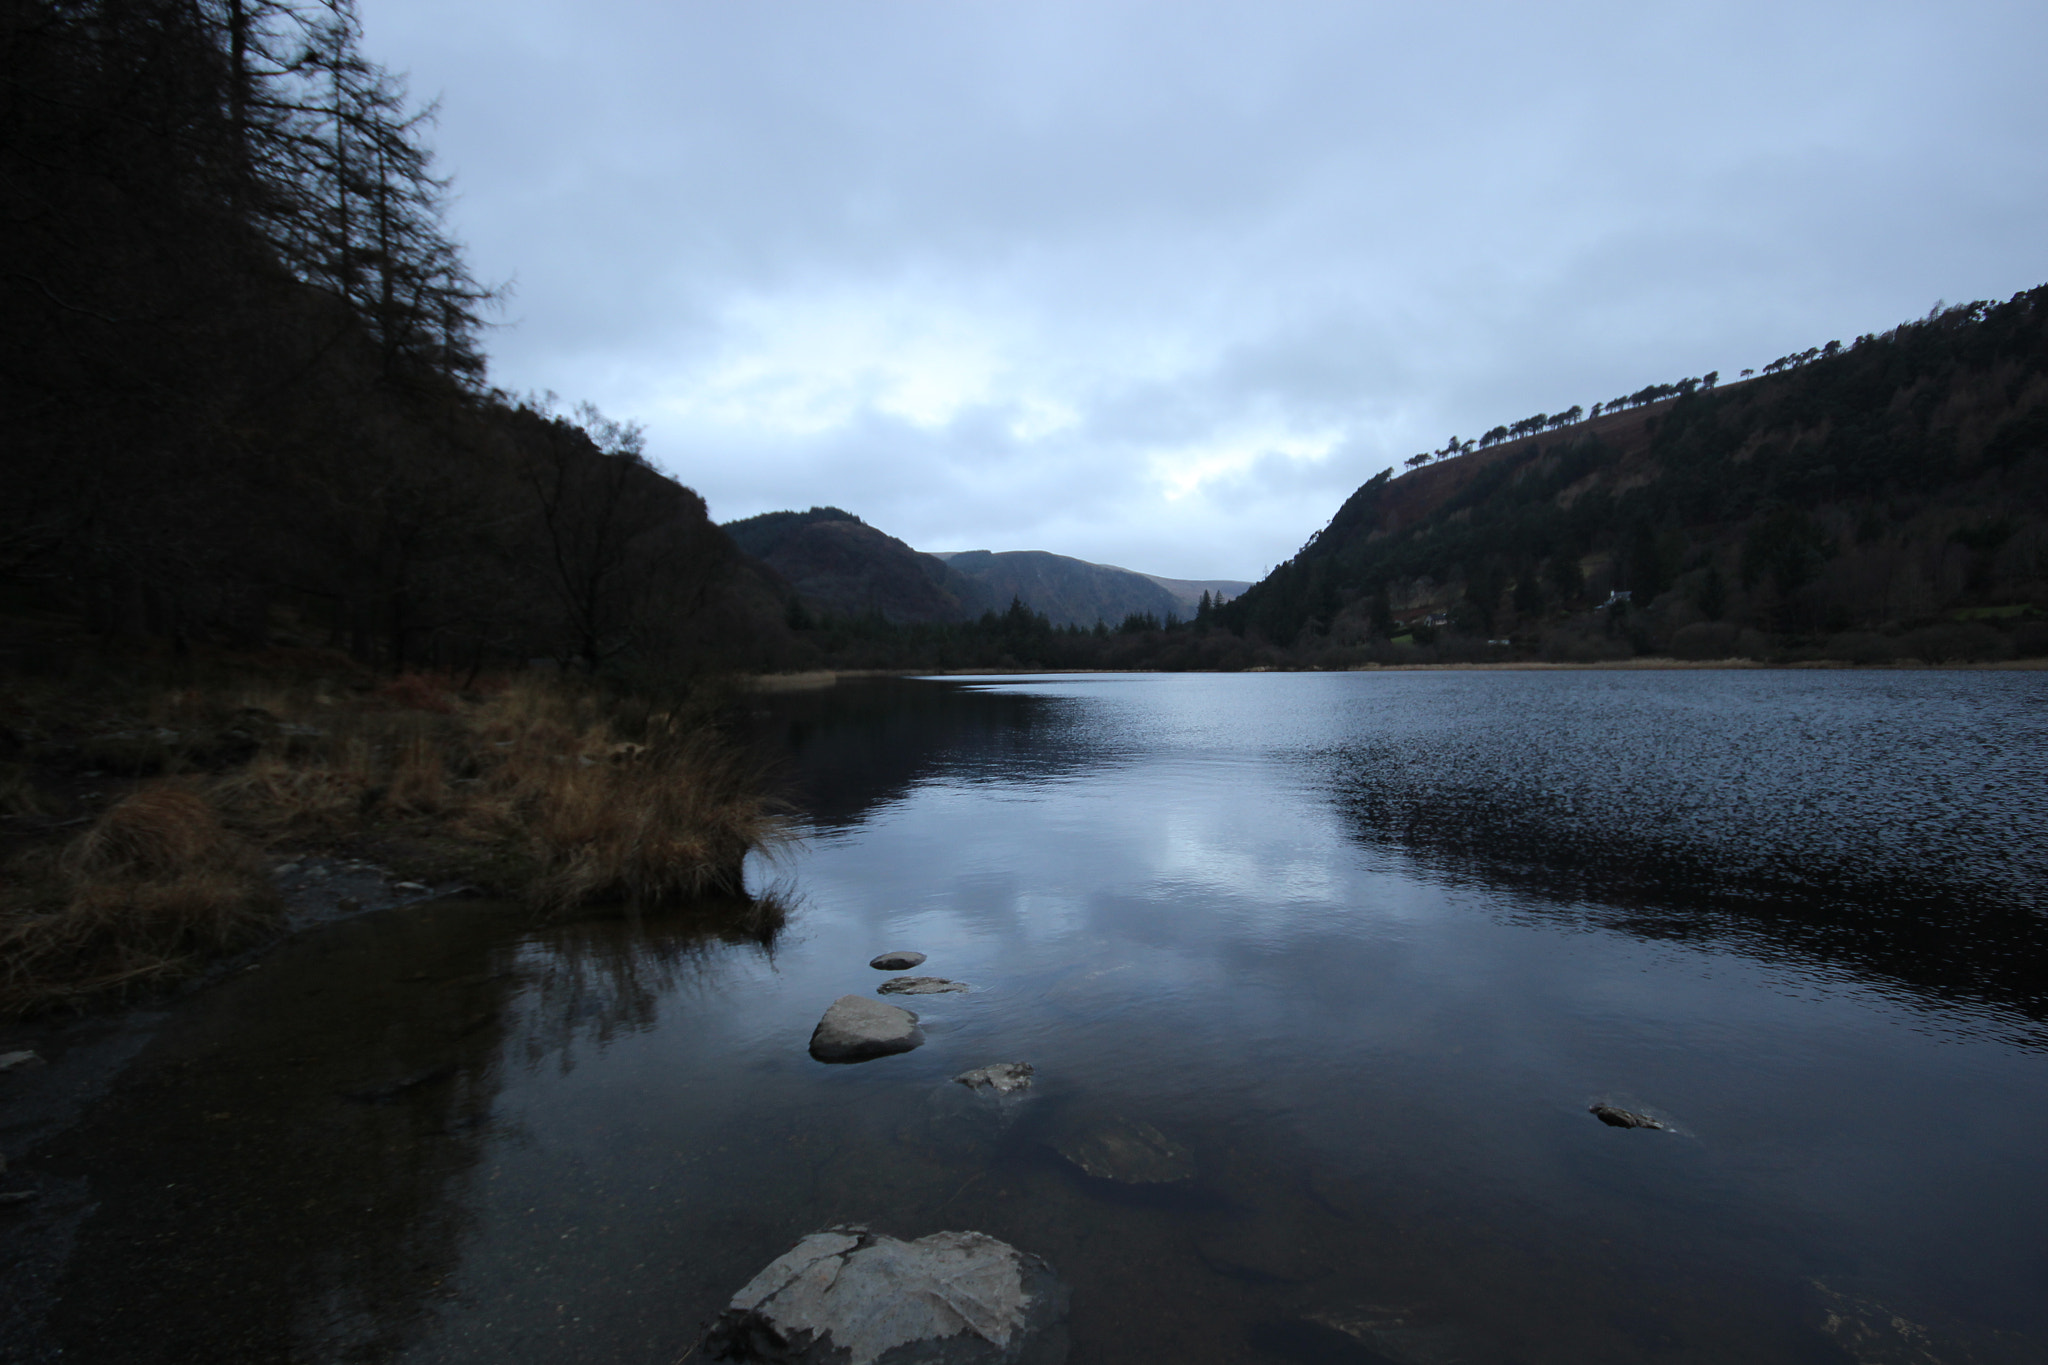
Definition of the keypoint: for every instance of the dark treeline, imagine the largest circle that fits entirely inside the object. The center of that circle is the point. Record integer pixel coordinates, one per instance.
(244, 383)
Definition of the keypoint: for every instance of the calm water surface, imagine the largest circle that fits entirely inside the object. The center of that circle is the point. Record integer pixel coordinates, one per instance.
(1366, 945)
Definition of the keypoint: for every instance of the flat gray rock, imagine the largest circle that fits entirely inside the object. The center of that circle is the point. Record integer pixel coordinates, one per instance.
(896, 962)
(847, 1296)
(1001, 1077)
(1128, 1152)
(919, 985)
(857, 1028)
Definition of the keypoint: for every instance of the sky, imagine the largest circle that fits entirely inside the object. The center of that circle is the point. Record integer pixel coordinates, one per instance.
(1158, 283)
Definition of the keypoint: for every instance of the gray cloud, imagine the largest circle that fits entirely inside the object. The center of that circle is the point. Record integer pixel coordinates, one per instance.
(1159, 283)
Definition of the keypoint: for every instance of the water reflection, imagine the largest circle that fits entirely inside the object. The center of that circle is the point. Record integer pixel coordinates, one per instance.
(1326, 937)
(866, 742)
(292, 1172)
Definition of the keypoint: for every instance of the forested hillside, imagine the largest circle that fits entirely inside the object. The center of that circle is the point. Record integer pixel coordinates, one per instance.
(244, 383)
(1071, 592)
(1884, 499)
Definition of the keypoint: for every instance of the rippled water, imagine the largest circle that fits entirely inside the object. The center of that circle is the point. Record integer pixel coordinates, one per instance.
(1366, 946)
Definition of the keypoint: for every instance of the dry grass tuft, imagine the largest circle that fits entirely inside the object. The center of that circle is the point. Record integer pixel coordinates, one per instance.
(152, 885)
(670, 823)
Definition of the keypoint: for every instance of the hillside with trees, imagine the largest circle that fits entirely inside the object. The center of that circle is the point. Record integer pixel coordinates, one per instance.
(840, 566)
(1884, 499)
(245, 380)
(1071, 592)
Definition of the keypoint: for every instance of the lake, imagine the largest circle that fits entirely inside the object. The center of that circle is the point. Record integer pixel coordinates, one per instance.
(1364, 949)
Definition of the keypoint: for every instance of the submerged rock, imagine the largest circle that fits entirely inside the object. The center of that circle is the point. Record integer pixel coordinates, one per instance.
(1387, 1333)
(896, 962)
(1127, 1151)
(1615, 1117)
(10, 1060)
(1001, 1077)
(920, 985)
(857, 1028)
(853, 1296)
(1263, 1254)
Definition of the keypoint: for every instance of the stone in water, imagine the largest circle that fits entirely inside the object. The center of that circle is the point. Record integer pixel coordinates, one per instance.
(850, 1295)
(857, 1028)
(1128, 1152)
(1622, 1118)
(896, 962)
(920, 985)
(1001, 1077)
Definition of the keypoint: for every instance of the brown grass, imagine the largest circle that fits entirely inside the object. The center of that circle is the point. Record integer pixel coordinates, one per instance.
(667, 824)
(604, 802)
(541, 789)
(150, 887)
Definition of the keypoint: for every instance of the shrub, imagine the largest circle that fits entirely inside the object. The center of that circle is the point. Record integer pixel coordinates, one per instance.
(2030, 640)
(1953, 642)
(1705, 640)
(1861, 647)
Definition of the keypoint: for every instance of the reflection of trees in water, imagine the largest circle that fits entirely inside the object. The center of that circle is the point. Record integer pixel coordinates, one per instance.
(853, 746)
(1623, 852)
(287, 1164)
(287, 1175)
(599, 978)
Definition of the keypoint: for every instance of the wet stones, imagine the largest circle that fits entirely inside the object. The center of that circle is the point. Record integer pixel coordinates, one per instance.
(1615, 1117)
(896, 962)
(856, 1028)
(920, 985)
(1126, 1151)
(854, 1296)
(1002, 1078)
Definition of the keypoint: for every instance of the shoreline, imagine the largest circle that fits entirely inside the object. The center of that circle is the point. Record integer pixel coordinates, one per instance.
(817, 679)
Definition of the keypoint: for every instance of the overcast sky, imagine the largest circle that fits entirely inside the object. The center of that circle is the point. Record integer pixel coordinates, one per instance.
(1158, 284)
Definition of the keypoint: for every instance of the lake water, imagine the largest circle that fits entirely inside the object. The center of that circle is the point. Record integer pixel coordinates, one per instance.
(1365, 947)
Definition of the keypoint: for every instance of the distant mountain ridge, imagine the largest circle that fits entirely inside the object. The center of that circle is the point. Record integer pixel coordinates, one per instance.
(843, 567)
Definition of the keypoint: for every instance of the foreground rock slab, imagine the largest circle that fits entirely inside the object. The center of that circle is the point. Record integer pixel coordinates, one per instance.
(854, 1296)
(1001, 1077)
(856, 1028)
(1128, 1152)
(1615, 1117)
(896, 962)
(920, 985)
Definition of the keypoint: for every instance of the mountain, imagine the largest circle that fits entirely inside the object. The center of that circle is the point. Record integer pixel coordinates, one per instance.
(846, 568)
(1188, 591)
(1856, 498)
(1068, 591)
